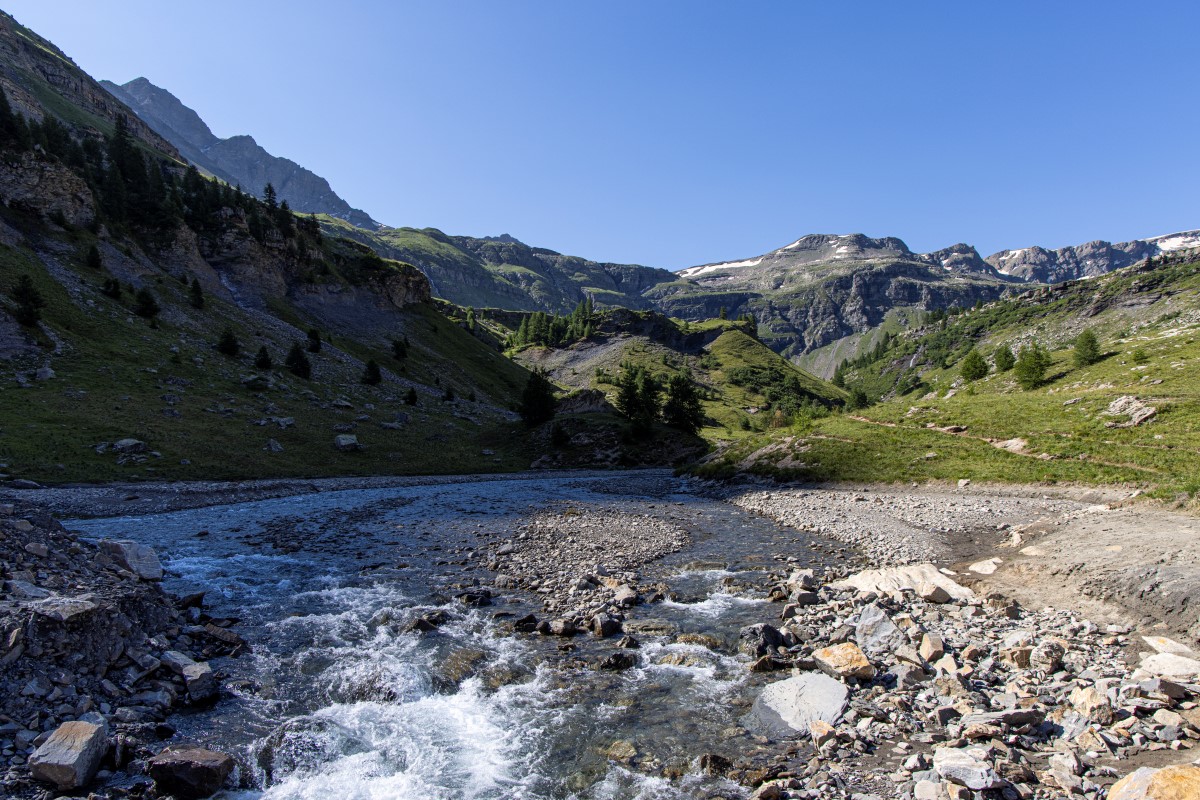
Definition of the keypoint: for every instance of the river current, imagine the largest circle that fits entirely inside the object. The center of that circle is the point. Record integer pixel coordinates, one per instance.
(339, 700)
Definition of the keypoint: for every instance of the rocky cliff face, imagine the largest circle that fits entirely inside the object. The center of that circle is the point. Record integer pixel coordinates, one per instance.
(238, 160)
(39, 78)
(1039, 265)
(823, 287)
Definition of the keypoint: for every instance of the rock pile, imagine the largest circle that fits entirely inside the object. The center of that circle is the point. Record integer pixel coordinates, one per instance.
(93, 655)
(583, 564)
(956, 696)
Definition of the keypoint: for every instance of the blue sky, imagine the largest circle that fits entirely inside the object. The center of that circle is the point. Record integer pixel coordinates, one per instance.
(677, 133)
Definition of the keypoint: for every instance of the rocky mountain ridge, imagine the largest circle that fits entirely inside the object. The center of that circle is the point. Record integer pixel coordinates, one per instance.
(237, 160)
(1039, 265)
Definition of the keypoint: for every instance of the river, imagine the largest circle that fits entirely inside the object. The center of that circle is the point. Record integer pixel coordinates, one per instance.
(338, 699)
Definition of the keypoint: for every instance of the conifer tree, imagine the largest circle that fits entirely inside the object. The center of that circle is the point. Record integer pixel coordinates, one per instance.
(93, 258)
(682, 408)
(314, 338)
(399, 349)
(1031, 366)
(29, 301)
(298, 363)
(262, 361)
(410, 397)
(196, 294)
(973, 366)
(1087, 348)
(270, 197)
(228, 344)
(1004, 358)
(537, 400)
(371, 375)
(145, 304)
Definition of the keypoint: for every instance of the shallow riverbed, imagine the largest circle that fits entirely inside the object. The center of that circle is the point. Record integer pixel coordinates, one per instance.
(340, 699)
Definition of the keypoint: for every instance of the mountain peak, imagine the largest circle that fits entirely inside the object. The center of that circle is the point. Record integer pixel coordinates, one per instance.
(238, 160)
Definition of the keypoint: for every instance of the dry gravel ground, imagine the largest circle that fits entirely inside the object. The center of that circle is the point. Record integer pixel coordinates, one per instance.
(1103, 553)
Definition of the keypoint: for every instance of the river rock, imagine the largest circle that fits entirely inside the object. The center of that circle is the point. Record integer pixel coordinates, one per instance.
(789, 707)
(201, 681)
(759, 640)
(909, 576)
(1170, 665)
(969, 767)
(69, 758)
(1180, 782)
(64, 609)
(137, 558)
(875, 631)
(844, 660)
(189, 772)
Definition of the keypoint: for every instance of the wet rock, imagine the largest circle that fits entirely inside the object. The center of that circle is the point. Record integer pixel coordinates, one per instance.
(789, 707)
(69, 758)
(616, 662)
(844, 661)
(475, 599)
(201, 682)
(759, 640)
(190, 772)
(604, 626)
(625, 596)
(137, 558)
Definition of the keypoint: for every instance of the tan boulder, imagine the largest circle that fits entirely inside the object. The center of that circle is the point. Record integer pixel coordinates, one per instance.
(1180, 782)
(844, 661)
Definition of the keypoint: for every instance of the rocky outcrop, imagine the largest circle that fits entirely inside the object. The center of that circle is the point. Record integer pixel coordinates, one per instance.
(1037, 264)
(28, 63)
(31, 182)
(238, 160)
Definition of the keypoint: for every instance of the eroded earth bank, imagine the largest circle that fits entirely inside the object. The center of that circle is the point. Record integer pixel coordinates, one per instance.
(628, 635)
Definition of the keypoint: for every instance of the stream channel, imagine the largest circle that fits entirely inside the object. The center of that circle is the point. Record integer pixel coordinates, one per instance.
(336, 700)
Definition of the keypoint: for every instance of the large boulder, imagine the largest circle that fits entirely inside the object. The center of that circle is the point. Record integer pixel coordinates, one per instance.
(346, 442)
(137, 558)
(1180, 782)
(912, 577)
(69, 758)
(789, 707)
(189, 772)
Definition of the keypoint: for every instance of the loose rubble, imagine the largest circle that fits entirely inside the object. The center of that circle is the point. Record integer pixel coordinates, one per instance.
(94, 656)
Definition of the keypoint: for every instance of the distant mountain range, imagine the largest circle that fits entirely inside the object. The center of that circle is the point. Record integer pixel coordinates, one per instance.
(238, 160)
(816, 291)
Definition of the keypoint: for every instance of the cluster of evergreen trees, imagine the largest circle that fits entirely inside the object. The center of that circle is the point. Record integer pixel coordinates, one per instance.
(550, 330)
(141, 193)
(642, 399)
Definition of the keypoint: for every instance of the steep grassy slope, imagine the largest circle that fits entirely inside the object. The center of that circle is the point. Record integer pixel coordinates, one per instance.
(1148, 322)
(117, 376)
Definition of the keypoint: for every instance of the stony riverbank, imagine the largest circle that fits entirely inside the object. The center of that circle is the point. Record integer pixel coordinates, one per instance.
(94, 656)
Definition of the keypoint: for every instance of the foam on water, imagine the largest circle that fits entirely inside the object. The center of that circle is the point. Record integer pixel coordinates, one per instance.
(715, 604)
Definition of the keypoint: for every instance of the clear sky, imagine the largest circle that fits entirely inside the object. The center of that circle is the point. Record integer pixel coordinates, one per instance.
(678, 133)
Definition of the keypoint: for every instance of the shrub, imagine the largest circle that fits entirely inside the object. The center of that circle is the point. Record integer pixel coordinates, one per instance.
(1140, 356)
